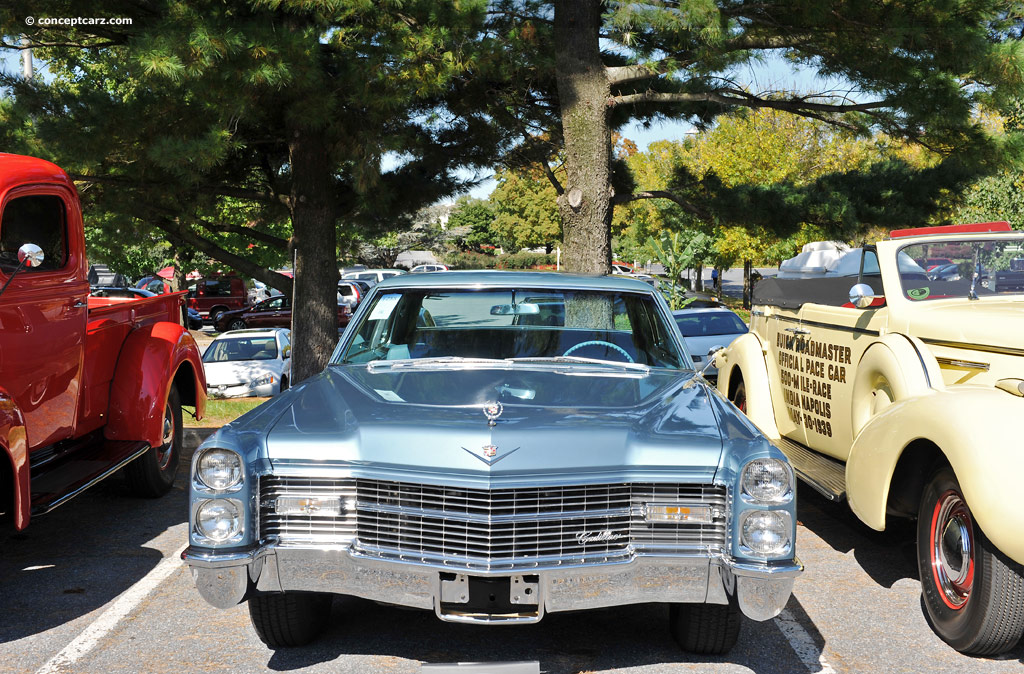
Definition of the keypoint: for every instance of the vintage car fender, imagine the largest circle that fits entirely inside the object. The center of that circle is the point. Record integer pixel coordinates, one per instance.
(151, 359)
(971, 426)
(14, 440)
(895, 367)
(745, 358)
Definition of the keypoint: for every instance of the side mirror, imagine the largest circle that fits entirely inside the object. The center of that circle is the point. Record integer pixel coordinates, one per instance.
(30, 255)
(712, 354)
(286, 352)
(862, 295)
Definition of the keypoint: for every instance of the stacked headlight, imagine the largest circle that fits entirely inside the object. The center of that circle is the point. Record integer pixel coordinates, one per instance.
(767, 480)
(766, 531)
(220, 520)
(219, 469)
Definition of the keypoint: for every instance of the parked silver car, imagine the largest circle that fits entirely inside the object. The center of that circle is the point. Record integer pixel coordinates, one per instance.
(707, 329)
(493, 447)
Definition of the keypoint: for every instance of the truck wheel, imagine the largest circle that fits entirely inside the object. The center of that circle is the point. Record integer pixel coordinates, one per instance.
(215, 313)
(152, 474)
(289, 619)
(972, 593)
(708, 629)
(237, 324)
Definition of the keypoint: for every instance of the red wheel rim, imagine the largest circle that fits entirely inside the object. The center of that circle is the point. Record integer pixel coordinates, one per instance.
(951, 549)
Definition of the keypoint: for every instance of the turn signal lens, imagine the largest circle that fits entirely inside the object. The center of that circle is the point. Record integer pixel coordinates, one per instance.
(309, 505)
(677, 513)
(767, 480)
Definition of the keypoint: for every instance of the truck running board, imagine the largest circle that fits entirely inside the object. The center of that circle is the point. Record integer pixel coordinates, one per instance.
(63, 478)
(826, 475)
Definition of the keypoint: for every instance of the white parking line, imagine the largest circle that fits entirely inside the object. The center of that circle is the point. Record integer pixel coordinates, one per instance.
(802, 643)
(121, 607)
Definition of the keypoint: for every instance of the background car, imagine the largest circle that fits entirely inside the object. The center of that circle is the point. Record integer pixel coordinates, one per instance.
(214, 296)
(705, 329)
(273, 313)
(428, 267)
(375, 275)
(118, 291)
(350, 293)
(243, 363)
(154, 284)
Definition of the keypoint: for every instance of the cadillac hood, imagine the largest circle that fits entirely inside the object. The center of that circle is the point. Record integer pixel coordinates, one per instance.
(514, 421)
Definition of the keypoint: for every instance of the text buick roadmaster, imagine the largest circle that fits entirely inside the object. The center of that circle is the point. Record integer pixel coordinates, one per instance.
(896, 383)
(495, 446)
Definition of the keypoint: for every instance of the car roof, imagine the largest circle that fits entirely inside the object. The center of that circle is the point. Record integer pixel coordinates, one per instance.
(516, 279)
(252, 332)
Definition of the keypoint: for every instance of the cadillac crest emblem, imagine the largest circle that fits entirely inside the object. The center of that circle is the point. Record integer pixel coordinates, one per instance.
(489, 451)
(492, 411)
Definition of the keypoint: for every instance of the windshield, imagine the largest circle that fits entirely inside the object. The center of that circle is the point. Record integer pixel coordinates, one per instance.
(973, 269)
(710, 324)
(619, 327)
(249, 348)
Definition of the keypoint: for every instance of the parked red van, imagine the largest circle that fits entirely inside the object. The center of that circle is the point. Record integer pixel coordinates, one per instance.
(216, 295)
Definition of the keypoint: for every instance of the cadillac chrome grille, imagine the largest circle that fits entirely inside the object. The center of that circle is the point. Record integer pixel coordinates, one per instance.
(495, 529)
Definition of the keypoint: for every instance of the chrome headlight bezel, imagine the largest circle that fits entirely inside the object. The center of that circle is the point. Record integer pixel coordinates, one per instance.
(231, 465)
(262, 381)
(767, 480)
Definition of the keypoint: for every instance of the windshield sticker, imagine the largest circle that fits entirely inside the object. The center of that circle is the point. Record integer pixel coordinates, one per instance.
(385, 305)
(390, 396)
(918, 293)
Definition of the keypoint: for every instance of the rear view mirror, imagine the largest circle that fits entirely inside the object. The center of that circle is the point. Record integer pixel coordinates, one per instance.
(862, 295)
(522, 309)
(30, 255)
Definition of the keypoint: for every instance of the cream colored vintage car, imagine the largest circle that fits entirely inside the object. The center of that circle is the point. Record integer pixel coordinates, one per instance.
(894, 379)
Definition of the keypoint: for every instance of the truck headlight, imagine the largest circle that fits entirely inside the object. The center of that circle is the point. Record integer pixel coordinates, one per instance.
(767, 480)
(220, 520)
(219, 469)
(766, 533)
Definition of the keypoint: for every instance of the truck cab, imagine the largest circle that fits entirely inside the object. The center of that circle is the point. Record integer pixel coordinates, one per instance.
(87, 385)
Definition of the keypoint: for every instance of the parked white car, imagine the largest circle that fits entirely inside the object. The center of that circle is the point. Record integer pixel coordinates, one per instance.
(375, 275)
(428, 267)
(242, 363)
(706, 329)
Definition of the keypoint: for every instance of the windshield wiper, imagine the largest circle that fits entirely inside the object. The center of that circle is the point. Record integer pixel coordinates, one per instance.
(579, 360)
(437, 360)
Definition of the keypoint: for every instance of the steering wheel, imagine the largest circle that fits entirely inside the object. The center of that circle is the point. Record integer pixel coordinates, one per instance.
(600, 342)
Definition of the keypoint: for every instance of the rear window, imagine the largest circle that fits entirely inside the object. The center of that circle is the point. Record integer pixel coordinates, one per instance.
(704, 325)
(249, 348)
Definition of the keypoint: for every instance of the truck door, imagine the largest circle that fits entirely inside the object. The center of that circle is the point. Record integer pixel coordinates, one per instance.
(43, 312)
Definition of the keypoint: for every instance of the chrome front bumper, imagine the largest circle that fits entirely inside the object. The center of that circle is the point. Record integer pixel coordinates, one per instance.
(760, 590)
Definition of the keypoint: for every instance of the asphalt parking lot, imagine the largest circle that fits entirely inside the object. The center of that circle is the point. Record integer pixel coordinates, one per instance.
(97, 586)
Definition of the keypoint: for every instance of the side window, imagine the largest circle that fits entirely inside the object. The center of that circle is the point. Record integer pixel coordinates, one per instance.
(872, 274)
(38, 219)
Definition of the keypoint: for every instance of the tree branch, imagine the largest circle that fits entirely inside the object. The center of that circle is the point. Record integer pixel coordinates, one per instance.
(219, 190)
(687, 206)
(248, 229)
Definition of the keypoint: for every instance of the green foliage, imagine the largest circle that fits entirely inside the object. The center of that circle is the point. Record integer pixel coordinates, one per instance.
(999, 197)
(521, 260)
(677, 252)
(472, 220)
(525, 212)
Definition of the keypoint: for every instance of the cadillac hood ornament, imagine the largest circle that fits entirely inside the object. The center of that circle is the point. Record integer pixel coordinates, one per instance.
(492, 411)
(489, 454)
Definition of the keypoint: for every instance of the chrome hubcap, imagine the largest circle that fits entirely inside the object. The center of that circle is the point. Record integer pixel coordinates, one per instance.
(166, 449)
(952, 549)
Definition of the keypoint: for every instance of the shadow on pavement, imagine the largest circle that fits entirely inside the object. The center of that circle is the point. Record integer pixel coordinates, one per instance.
(74, 560)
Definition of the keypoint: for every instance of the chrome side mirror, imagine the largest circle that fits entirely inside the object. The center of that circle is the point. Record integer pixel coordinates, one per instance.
(30, 255)
(862, 295)
(712, 354)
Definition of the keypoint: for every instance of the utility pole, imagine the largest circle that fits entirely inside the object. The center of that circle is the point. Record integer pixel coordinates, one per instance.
(26, 58)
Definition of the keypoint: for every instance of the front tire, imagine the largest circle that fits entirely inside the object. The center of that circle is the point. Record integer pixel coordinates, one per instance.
(739, 396)
(707, 629)
(973, 594)
(237, 324)
(289, 619)
(152, 474)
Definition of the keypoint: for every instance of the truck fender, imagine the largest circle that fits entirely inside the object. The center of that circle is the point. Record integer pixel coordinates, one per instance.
(152, 358)
(743, 360)
(971, 428)
(893, 368)
(14, 439)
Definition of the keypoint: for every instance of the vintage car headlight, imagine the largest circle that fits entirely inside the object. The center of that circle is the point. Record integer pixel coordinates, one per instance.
(220, 520)
(767, 481)
(766, 533)
(262, 381)
(219, 469)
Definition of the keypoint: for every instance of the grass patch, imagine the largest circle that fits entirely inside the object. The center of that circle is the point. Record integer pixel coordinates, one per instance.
(220, 411)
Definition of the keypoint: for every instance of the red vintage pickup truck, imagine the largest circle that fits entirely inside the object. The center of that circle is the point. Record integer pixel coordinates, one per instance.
(87, 385)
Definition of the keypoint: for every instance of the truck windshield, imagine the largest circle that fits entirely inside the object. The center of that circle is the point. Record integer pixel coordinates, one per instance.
(966, 268)
(620, 327)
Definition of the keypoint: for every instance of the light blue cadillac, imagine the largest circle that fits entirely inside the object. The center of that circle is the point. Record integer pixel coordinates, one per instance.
(492, 447)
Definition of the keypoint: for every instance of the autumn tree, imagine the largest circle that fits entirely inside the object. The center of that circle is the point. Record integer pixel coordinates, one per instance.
(911, 70)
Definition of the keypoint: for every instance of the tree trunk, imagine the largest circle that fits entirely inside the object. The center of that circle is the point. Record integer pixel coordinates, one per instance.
(315, 289)
(583, 91)
(747, 265)
(698, 281)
